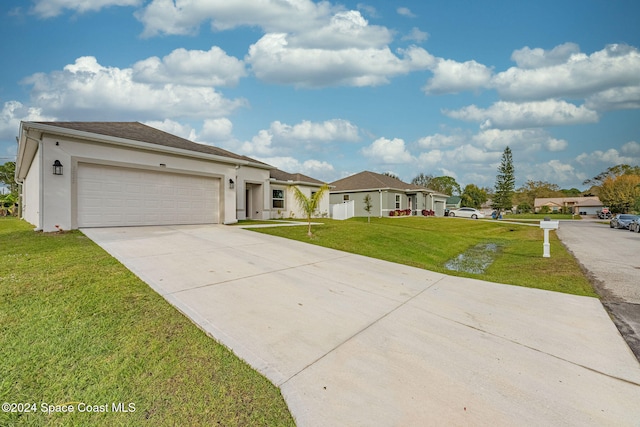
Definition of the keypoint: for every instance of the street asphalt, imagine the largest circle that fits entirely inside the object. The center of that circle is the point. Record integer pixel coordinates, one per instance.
(612, 259)
(354, 341)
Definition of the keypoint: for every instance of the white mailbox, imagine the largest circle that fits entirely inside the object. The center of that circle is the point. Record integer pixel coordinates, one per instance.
(547, 225)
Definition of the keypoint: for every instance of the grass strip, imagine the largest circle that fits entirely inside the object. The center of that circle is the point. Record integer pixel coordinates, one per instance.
(430, 242)
(77, 328)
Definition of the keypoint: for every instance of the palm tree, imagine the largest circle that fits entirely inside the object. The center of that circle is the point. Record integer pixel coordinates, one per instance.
(309, 204)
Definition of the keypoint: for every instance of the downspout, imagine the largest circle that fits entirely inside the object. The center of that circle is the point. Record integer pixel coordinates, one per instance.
(41, 190)
(41, 212)
(380, 192)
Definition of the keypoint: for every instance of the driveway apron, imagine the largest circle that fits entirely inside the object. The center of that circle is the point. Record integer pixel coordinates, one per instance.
(354, 341)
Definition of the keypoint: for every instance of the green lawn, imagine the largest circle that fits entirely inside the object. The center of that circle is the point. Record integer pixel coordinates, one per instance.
(430, 242)
(77, 328)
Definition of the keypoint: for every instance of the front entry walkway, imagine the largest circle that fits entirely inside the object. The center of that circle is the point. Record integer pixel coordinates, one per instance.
(353, 341)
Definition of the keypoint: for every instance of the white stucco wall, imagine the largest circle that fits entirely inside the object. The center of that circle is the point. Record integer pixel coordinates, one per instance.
(60, 199)
(257, 181)
(30, 193)
(291, 208)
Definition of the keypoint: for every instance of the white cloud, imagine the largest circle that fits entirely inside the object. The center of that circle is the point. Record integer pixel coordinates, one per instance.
(405, 11)
(52, 8)
(616, 66)
(306, 131)
(260, 145)
(511, 115)
(452, 77)
(282, 138)
(191, 68)
(368, 9)
(13, 112)
(553, 171)
(620, 98)
(87, 90)
(274, 61)
(388, 151)
(416, 35)
(216, 130)
(314, 168)
(440, 141)
(528, 58)
(610, 157)
(528, 139)
(631, 148)
(185, 16)
(344, 30)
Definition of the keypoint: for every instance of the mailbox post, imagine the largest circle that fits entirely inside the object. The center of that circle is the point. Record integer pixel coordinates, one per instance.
(547, 225)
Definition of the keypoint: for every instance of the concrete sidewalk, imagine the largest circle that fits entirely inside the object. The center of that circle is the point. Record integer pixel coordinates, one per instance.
(353, 341)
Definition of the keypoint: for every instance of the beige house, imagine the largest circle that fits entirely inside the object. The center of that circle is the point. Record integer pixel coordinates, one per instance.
(387, 194)
(589, 205)
(283, 202)
(101, 174)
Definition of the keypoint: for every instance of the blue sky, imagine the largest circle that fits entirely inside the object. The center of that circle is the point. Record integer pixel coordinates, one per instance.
(329, 88)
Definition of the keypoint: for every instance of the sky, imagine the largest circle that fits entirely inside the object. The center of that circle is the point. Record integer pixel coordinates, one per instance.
(329, 89)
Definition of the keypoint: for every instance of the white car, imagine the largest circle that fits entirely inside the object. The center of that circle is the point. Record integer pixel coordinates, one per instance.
(466, 213)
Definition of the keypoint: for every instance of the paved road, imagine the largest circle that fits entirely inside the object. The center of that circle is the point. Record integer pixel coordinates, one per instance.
(612, 258)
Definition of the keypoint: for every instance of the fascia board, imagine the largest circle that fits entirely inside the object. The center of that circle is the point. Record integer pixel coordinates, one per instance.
(307, 184)
(27, 148)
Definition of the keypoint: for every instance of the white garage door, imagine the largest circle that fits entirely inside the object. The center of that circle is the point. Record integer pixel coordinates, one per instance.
(114, 196)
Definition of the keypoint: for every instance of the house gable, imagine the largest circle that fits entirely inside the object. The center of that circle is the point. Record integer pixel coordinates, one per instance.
(386, 193)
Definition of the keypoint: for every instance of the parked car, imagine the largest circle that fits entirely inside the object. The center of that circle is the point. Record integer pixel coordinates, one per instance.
(466, 213)
(634, 226)
(604, 214)
(622, 220)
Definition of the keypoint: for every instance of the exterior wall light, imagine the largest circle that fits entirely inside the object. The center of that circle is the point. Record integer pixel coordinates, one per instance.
(232, 184)
(57, 168)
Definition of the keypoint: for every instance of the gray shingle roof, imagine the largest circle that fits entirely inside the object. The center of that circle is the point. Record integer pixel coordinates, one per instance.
(367, 180)
(279, 175)
(137, 131)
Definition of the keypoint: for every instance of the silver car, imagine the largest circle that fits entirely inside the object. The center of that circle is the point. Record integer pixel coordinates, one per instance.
(622, 220)
(634, 226)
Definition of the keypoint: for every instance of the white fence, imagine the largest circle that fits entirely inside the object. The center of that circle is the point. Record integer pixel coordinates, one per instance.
(344, 210)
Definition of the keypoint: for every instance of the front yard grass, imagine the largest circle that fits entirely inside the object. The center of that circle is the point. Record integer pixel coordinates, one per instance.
(430, 242)
(78, 328)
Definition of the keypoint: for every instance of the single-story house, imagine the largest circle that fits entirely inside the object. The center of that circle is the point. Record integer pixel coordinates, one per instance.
(97, 174)
(589, 205)
(283, 201)
(387, 194)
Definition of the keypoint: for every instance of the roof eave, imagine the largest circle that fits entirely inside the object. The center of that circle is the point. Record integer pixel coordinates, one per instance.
(44, 128)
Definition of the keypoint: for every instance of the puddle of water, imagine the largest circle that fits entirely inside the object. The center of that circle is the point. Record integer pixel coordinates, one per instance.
(475, 260)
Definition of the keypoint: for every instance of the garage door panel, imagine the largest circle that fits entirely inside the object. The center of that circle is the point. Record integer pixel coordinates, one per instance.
(114, 196)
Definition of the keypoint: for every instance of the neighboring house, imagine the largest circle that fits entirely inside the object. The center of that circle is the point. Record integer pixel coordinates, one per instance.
(387, 194)
(454, 202)
(577, 205)
(97, 174)
(283, 201)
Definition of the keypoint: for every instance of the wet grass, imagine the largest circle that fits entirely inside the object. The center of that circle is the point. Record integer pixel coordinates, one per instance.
(78, 327)
(430, 243)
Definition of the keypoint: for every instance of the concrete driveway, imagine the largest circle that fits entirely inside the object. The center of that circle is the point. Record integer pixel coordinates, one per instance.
(353, 341)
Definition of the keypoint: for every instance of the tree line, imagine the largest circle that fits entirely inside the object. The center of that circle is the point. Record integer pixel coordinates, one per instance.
(618, 188)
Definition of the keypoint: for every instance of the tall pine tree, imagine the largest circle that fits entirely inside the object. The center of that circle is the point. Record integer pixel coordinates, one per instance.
(505, 183)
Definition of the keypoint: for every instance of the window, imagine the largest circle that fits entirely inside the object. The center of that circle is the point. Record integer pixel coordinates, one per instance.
(345, 198)
(397, 201)
(278, 199)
